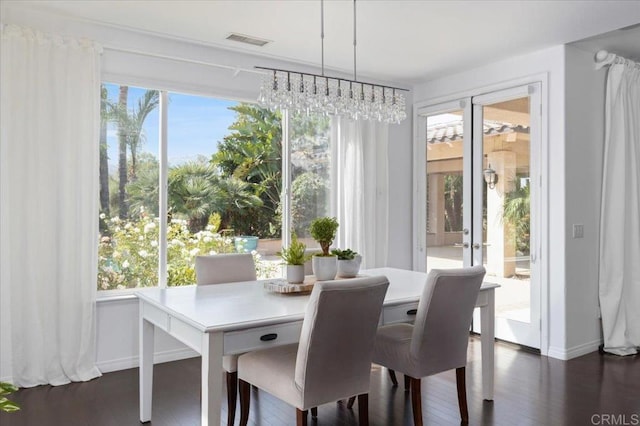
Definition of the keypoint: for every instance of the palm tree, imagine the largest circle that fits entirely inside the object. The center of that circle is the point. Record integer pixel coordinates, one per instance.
(236, 203)
(251, 153)
(105, 116)
(134, 121)
(193, 193)
(517, 212)
(123, 210)
(130, 135)
(143, 192)
(453, 202)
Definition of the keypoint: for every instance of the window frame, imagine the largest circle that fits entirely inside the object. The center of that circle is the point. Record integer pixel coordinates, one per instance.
(163, 108)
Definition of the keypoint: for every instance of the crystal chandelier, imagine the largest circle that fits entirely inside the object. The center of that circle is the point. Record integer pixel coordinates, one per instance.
(316, 93)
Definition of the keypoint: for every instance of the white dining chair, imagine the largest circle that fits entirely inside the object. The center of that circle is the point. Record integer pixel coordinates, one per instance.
(438, 339)
(332, 360)
(220, 269)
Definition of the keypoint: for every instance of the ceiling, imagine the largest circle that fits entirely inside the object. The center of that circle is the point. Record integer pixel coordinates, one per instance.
(402, 41)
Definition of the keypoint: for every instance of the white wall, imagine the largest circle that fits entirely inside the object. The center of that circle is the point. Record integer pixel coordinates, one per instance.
(400, 184)
(117, 320)
(117, 331)
(549, 66)
(584, 123)
(573, 102)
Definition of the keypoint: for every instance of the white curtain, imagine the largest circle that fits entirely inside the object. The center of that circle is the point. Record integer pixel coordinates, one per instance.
(620, 214)
(50, 115)
(359, 188)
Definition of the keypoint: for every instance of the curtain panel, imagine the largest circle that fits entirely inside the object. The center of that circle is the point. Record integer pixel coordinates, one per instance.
(620, 212)
(50, 114)
(360, 188)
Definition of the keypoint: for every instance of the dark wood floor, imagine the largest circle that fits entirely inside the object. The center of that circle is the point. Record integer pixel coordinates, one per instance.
(530, 390)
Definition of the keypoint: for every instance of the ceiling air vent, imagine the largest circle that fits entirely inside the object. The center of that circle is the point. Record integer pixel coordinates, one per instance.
(247, 39)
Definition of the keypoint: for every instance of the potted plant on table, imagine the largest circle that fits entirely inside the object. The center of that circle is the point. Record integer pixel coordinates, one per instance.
(323, 230)
(348, 262)
(5, 404)
(295, 257)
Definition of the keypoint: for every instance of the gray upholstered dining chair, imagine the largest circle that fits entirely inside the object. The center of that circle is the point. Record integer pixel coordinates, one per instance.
(438, 339)
(332, 361)
(220, 269)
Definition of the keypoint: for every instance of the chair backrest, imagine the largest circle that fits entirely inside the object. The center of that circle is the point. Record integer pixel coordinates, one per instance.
(441, 331)
(337, 338)
(225, 268)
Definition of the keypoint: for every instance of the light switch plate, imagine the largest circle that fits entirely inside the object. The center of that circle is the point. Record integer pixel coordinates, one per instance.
(578, 230)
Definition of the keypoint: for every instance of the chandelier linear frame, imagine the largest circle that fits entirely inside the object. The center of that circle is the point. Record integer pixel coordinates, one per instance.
(327, 77)
(305, 92)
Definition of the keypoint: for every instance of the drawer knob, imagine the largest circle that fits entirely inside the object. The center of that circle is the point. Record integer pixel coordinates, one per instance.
(268, 337)
(412, 312)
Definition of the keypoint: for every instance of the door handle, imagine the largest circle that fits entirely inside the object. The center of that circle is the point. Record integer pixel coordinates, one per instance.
(476, 246)
(465, 245)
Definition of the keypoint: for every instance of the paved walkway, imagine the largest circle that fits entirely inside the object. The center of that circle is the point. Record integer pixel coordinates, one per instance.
(513, 296)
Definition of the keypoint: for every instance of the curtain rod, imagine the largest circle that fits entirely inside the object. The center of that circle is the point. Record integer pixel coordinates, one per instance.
(604, 58)
(235, 69)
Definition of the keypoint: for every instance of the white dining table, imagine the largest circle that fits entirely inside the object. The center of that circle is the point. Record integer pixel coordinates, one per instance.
(234, 318)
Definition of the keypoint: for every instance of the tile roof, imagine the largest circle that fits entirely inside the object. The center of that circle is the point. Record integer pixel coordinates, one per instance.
(453, 130)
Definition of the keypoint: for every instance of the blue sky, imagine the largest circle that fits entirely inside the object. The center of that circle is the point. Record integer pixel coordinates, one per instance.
(195, 125)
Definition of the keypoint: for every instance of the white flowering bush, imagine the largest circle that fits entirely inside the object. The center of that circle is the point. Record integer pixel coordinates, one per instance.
(128, 253)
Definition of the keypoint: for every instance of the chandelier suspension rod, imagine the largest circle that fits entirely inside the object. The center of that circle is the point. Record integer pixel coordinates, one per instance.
(301, 92)
(322, 33)
(330, 78)
(354, 40)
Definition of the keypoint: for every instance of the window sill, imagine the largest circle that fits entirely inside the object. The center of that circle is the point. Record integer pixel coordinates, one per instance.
(115, 296)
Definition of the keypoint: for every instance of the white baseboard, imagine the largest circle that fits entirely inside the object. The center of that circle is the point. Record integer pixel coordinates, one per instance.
(574, 352)
(132, 362)
(158, 358)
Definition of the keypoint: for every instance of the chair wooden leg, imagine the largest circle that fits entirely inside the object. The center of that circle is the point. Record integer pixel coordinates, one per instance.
(392, 375)
(352, 400)
(245, 400)
(314, 412)
(232, 395)
(301, 417)
(416, 401)
(462, 394)
(363, 409)
(407, 383)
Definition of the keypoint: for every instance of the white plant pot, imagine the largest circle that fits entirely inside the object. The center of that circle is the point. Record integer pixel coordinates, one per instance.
(295, 274)
(325, 267)
(349, 268)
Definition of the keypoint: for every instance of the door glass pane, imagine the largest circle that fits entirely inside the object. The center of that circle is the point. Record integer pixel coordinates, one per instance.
(506, 209)
(444, 190)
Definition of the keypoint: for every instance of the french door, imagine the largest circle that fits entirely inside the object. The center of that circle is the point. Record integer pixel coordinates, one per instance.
(477, 174)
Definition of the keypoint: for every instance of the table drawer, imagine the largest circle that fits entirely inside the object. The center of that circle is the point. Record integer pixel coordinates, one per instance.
(236, 342)
(400, 313)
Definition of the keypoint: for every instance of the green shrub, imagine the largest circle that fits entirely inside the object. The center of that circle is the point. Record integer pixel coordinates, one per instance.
(295, 254)
(128, 253)
(323, 230)
(346, 254)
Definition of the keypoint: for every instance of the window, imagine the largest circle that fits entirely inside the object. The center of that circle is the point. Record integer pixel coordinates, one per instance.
(128, 247)
(310, 172)
(224, 178)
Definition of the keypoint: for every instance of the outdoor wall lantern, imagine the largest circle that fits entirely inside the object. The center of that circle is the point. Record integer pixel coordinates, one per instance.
(490, 176)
